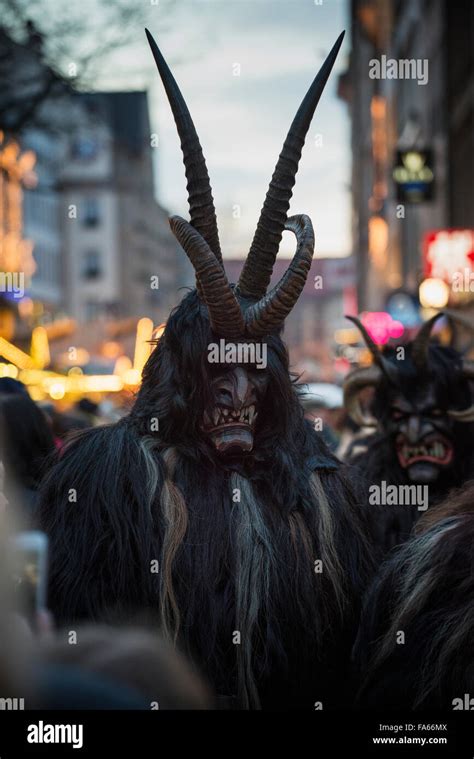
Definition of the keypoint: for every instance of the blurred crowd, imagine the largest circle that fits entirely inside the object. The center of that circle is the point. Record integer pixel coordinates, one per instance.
(91, 667)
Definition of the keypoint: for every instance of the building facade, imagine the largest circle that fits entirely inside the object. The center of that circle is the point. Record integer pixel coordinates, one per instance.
(410, 91)
(120, 258)
(42, 213)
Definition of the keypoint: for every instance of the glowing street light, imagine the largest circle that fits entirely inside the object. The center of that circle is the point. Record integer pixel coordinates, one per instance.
(433, 293)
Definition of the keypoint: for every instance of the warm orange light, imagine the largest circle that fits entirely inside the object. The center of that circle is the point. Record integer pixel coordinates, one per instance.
(132, 377)
(40, 347)
(143, 347)
(158, 331)
(57, 391)
(57, 387)
(111, 349)
(8, 370)
(378, 241)
(59, 328)
(347, 336)
(122, 365)
(16, 169)
(15, 355)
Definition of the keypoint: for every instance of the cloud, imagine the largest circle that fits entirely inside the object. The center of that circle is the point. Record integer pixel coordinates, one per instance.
(242, 120)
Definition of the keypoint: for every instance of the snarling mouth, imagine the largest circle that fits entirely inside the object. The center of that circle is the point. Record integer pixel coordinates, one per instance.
(231, 429)
(433, 449)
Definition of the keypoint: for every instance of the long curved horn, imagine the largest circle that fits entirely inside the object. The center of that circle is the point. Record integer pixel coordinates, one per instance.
(257, 271)
(201, 202)
(419, 348)
(467, 414)
(271, 311)
(379, 359)
(224, 311)
(463, 319)
(356, 381)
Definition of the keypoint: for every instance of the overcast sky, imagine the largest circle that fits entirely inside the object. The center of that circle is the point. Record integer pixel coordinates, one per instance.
(242, 120)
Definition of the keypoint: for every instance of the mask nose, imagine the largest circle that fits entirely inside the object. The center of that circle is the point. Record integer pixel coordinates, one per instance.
(240, 387)
(235, 390)
(413, 428)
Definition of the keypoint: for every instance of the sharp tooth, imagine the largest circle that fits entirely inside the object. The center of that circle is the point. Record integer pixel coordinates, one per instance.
(251, 413)
(216, 416)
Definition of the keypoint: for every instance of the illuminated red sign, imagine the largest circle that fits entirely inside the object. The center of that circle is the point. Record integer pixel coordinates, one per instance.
(447, 252)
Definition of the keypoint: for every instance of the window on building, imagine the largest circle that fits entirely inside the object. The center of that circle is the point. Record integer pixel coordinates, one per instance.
(91, 212)
(92, 265)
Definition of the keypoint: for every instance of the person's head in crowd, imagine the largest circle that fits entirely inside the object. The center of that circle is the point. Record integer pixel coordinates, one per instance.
(15, 638)
(63, 424)
(26, 442)
(134, 659)
(88, 411)
(10, 386)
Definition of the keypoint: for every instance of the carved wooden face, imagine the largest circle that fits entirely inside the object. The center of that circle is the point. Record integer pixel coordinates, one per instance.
(230, 420)
(423, 435)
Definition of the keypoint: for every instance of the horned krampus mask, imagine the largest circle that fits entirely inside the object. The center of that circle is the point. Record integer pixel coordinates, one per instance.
(244, 314)
(422, 395)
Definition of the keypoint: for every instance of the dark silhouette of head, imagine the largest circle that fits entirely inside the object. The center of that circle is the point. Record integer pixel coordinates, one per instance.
(26, 442)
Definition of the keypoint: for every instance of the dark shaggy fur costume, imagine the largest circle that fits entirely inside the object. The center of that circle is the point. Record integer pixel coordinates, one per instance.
(226, 566)
(426, 591)
(379, 461)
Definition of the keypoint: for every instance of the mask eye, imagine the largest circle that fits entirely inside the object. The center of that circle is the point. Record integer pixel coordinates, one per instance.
(436, 412)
